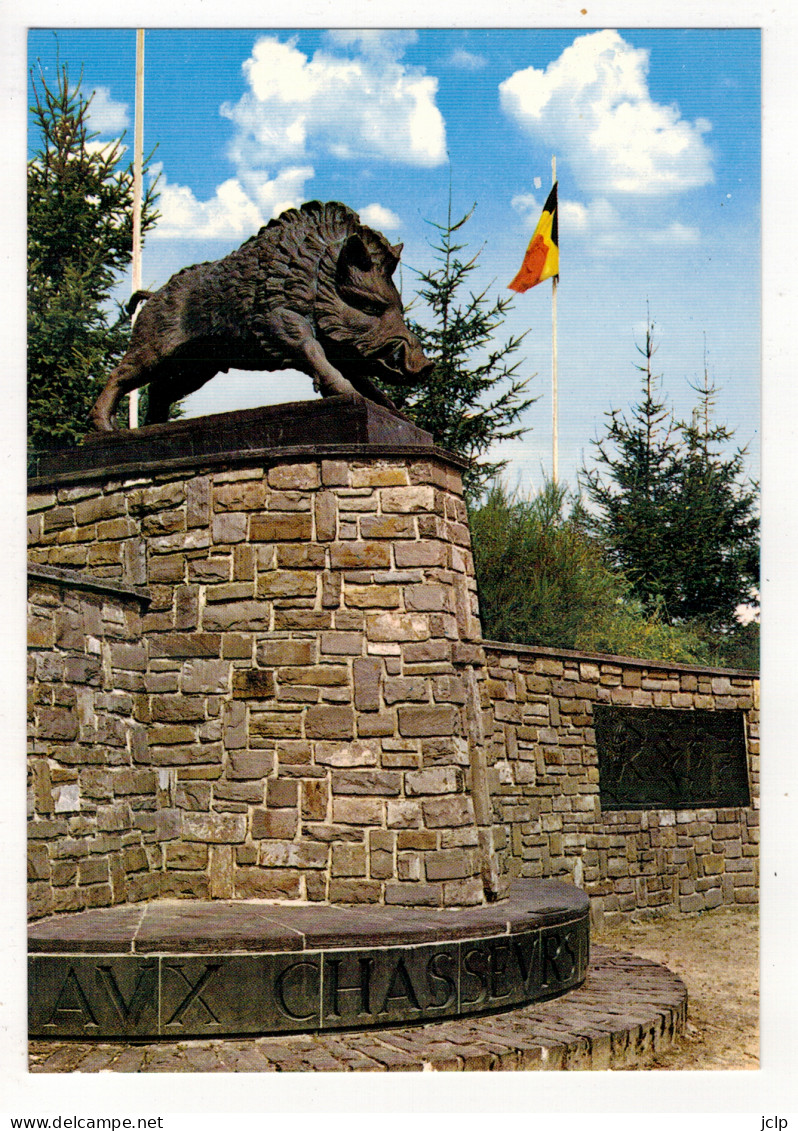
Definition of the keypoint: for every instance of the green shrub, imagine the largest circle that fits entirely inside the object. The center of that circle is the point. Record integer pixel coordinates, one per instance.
(542, 579)
(626, 630)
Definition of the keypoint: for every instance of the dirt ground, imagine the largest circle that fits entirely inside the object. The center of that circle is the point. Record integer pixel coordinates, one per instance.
(716, 954)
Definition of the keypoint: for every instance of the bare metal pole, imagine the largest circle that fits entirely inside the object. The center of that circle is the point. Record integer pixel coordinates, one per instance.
(138, 146)
(554, 423)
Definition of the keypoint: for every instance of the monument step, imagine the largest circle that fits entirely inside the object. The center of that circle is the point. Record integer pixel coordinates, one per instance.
(627, 1012)
(194, 969)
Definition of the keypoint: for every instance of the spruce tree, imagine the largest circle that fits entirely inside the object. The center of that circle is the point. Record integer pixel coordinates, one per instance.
(539, 575)
(677, 515)
(473, 398)
(714, 557)
(542, 578)
(80, 241)
(632, 487)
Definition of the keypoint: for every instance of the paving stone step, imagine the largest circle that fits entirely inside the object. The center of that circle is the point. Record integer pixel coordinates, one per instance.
(190, 925)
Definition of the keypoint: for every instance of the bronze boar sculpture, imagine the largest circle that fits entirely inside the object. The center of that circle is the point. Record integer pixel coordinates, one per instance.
(312, 291)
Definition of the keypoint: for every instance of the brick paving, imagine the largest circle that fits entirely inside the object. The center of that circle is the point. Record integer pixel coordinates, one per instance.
(627, 1011)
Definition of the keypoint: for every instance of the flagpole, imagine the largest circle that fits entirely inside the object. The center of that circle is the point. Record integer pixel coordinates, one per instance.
(138, 145)
(554, 426)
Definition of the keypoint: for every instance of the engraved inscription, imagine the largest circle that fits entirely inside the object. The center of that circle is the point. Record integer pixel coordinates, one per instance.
(71, 1007)
(195, 993)
(559, 961)
(294, 989)
(143, 992)
(526, 951)
(281, 992)
(499, 976)
(474, 975)
(400, 990)
(442, 979)
(100, 996)
(360, 990)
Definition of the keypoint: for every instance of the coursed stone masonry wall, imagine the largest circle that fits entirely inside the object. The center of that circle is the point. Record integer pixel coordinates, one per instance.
(306, 676)
(303, 707)
(93, 835)
(545, 783)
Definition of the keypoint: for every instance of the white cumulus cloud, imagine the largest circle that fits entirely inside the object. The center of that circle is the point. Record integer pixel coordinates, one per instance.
(592, 106)
(106, 148)
(674, 235)
(379, 217)
(238, 208)
(376, 43)
(573, 216)
(364, 103)
(467, 60)
(368, 106)
(604, 227)
(106, 115)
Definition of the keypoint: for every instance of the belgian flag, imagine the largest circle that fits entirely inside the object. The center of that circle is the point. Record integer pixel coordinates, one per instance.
(542, 259)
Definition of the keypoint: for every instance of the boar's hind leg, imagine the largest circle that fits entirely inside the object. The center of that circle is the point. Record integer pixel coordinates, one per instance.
(164, 391)
(128, 375)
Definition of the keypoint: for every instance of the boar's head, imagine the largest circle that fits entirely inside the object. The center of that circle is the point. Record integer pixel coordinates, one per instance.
(359, 313)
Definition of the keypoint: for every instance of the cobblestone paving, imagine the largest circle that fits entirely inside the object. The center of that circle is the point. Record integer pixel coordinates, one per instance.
(627, 1011)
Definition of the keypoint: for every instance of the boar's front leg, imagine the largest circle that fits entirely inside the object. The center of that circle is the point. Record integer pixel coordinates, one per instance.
(368, 389)
(296, 336)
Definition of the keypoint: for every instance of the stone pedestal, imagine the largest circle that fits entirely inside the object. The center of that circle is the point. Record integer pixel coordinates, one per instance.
(307, 683)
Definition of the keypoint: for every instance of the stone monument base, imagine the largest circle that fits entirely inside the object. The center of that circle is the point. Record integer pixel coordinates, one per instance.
(191, 969)
(348, 422)
(273, 772)
(294, 709)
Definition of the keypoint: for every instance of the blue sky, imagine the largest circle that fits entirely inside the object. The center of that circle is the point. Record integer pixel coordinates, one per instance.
(657, 139)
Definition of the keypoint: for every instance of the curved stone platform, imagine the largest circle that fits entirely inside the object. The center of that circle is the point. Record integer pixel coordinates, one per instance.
(187, 969)
(627, 1011)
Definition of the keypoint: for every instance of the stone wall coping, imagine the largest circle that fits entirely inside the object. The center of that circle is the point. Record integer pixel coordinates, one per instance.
(199, 926)
(77, 579)
(266, 457)
(609, 658)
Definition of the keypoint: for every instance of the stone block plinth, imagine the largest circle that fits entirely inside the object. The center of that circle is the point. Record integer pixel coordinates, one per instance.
(307, 681)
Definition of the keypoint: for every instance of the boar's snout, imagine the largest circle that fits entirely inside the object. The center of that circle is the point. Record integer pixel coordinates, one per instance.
(408, 362)
(416, 362)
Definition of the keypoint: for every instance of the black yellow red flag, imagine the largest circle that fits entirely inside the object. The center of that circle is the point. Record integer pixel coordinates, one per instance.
(542, 259)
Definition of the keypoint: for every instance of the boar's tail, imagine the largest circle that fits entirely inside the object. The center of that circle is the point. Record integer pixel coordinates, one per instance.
(136, 298)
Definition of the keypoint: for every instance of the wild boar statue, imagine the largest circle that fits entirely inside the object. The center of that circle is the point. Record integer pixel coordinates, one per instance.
(312, 291)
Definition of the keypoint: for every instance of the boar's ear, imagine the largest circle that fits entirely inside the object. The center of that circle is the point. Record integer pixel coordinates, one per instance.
(355, 254)
(392, 259)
